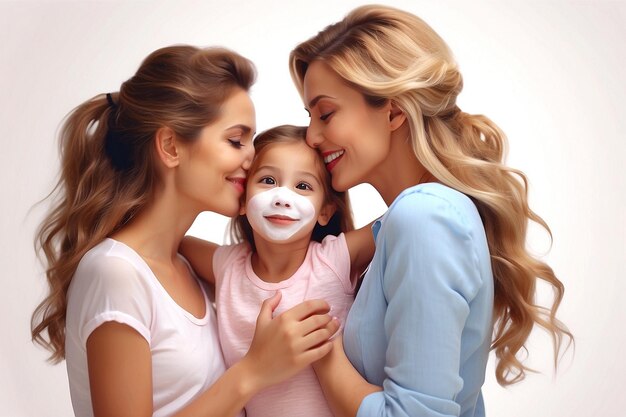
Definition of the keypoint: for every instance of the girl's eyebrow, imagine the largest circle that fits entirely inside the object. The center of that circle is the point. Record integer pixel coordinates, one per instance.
(309, 174)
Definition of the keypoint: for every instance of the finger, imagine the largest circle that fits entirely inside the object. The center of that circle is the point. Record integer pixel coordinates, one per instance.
(306, 309)
(315, 322)
(316, 353)
(267, 308)
(319, 336)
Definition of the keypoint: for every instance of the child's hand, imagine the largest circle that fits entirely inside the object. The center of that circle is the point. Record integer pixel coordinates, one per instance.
(285, 344)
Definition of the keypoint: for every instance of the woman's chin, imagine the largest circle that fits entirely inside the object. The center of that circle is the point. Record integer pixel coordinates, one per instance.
(340, 184)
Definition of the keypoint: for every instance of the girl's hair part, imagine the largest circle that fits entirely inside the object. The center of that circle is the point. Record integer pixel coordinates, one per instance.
(389, 54)
(341, 220)
(108, 163)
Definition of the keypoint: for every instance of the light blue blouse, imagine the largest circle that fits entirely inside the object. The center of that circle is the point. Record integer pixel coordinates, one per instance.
(420, 326)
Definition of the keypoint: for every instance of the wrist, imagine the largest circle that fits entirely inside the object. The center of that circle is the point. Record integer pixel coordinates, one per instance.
(249, 380)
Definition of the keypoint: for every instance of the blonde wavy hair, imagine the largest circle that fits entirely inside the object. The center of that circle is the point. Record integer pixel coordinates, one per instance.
(389, 54)
(108, 169)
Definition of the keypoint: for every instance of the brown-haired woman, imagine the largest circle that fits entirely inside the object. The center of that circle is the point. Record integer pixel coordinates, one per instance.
(451, 278)
(126, 312)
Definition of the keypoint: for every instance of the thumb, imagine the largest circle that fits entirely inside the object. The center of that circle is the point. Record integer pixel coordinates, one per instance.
(267, 308)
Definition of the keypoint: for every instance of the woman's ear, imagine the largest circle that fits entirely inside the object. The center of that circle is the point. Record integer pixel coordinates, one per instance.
(326, 213)
(167, 147)
(397, 116)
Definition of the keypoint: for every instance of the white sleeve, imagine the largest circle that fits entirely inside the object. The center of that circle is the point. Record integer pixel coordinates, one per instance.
(110, 288)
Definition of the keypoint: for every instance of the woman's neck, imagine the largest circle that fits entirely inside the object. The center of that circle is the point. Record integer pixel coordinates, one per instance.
(400, 170)
(156, 232)
(276, 262)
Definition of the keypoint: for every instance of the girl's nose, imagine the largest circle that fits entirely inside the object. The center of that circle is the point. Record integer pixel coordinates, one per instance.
(281, 201)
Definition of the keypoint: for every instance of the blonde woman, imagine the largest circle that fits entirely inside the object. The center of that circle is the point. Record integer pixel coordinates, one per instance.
(451, 278)
(125, 311)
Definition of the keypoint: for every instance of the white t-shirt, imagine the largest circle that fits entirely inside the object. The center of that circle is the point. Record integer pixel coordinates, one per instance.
(113, 283)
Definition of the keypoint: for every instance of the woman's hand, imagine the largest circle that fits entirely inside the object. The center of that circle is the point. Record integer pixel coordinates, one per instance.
(285, 344)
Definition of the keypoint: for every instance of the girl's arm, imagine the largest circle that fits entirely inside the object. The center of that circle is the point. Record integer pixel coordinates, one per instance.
(361, 246)
(199, 253)
(120, 370)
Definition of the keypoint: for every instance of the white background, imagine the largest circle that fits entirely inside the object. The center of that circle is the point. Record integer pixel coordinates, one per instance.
(551, 74)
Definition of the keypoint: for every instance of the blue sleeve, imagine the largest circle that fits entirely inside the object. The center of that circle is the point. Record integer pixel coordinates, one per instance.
(430, 277)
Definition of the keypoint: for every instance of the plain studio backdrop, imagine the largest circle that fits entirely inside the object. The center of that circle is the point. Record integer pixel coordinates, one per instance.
(551, 74)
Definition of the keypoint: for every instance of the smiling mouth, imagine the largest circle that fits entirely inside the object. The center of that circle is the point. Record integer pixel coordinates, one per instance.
(332, 158)
(280, 219)
(240, 183)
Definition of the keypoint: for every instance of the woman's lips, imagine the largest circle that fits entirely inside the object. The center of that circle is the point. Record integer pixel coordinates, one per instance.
(332, 158)
(239, 183)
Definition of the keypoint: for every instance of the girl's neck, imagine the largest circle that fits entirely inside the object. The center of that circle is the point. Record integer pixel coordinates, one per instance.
(276, 262)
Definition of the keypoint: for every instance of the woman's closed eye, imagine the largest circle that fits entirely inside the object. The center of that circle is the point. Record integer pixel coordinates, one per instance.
(325, 116)
(236, 142)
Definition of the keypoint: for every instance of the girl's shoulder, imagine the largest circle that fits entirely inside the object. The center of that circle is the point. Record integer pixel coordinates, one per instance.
(230, 256)
(233, 250)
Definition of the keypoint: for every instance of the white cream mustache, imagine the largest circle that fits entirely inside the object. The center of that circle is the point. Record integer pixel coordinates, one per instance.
(279, 201)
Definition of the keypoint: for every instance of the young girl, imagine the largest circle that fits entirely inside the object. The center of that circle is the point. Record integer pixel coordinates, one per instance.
(297, 242)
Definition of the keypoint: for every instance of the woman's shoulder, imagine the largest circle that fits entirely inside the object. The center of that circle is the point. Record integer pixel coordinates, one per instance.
(110, 261)
(108, 250)
(425, 201)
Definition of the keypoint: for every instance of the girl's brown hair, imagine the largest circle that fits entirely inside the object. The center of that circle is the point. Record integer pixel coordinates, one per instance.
(341, 221)
(389, 54)
(108, 169)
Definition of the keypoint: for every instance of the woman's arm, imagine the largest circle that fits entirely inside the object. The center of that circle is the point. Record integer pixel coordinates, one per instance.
(120, 371)
(120, 366)
(344, 388)
(199, 253)
(361, 246)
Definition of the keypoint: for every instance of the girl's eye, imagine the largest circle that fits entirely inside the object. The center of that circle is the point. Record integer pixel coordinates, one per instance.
(267, 181)
(325, 116)
(304, 186)
(236, 142)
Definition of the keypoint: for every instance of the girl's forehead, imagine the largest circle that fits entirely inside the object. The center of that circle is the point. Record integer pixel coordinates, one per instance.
(288, 150)
(293, 155)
